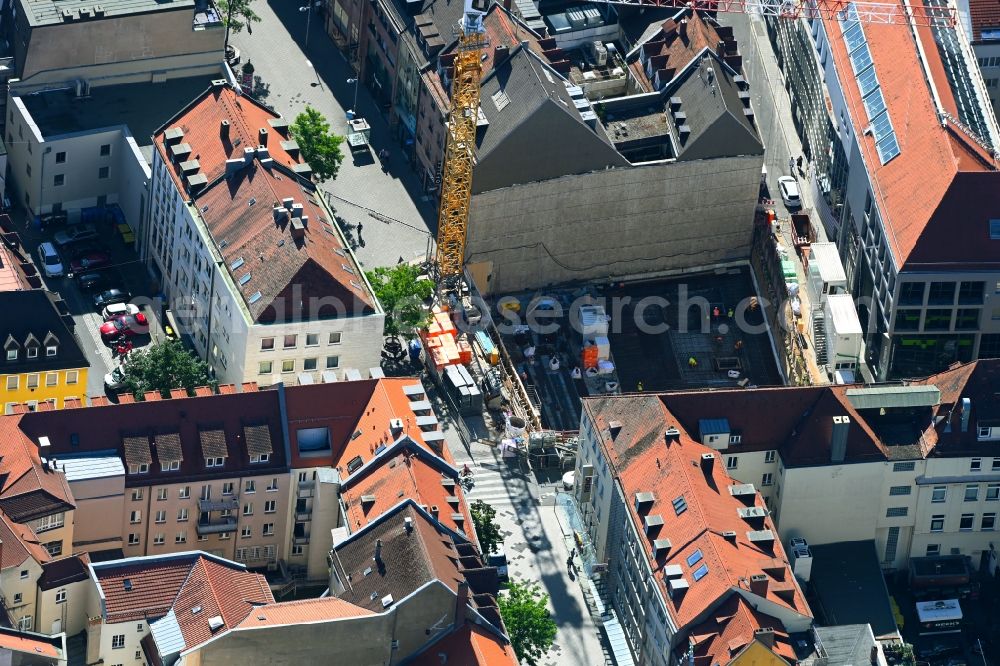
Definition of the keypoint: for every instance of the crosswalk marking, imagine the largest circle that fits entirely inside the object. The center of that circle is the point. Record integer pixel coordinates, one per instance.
(497, 487)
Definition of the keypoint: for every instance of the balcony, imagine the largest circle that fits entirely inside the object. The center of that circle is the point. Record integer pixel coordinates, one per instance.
(216, 526)
(305, 515)
(306, 485)
(301, 540)
(230, 503)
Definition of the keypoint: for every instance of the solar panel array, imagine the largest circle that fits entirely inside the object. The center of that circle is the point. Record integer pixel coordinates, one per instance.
(871, 92)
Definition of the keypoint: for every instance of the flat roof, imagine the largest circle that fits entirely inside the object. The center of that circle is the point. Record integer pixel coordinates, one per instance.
(143, 107)
(49, 12)
(849, 587)
(826, 259)
(98, 465)
(876, 397)
(845, 317)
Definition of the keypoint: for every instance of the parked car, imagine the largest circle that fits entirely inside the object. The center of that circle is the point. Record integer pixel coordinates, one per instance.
(789, 188)
(81, 248)
(114, 381)
(114, 310)
(110, 296)
(498, 559)
(97, 281)
(74, 233)
(128, 326)
(50, 260)
(90, 261)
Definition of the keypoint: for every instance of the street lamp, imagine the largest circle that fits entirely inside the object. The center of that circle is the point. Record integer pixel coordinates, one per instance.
(350, 111)
(308, 10)
(318, 82)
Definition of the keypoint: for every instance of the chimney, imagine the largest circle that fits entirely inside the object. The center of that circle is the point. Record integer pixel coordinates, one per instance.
(838, 438)
(500, 53)
(378, 551)
(262, 136)
(461, 601)
(224, 130)
(435, 511)
(671, 434)
(408, 524)
(298, 229)
(765, 635)
(614, 427)
(758, 584)
(966, 413)
(682, 28)
(720, 49)
(707, 460)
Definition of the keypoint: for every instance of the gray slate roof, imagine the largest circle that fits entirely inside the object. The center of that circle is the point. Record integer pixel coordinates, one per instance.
(535, 132)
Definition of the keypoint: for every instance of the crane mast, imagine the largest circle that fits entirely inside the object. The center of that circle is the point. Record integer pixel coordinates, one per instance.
(460, 145)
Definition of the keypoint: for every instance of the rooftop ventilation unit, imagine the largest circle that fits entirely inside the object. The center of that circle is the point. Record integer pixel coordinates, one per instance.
(675, 103)
(677, 587)
(387, 601)
(761, 536)
(742, 490)
(643, 501)
(395, 426)
(652, 523)
(672, 571)
(661, 547)
(99, 11)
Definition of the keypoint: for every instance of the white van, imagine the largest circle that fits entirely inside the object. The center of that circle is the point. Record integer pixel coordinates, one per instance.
(50, 260)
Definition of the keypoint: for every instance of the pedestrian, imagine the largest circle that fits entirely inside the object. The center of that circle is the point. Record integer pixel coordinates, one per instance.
(692, 363)
(360, 227)
(730, 313)
(716, 312)
(791, 166)
(638, 386)
(738, 346)
(798, 163)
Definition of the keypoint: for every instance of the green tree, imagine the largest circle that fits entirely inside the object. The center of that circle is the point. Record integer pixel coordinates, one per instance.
(163, 367)
(402, 295)
(320, 147)
(487, 529)
(236, 15)
(529, 624)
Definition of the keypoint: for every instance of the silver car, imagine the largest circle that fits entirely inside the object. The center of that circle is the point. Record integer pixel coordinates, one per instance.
(74, 233)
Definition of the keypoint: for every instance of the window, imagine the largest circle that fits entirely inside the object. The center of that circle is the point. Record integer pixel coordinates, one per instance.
(54, 547)
(161, 494)
(51, 379)
(61, 597)
(58, 180)
(223, 536)
(142, 468)
(270, 506)
(989, 522)
(268, 529)
(335, 338)
(139, 628)
(248, 509)
(770, 456)
(896, 512)
(767, 479)
(103, 172)
(250, 487)
(297, 550)
(933, 550)
(51, 350)
(312, 339)
(309, 364)
(971, 293)
(17, 598)
(972, 492)
(171, 466)
(899, 490)
(182, 537)
(12, 379)
(995, 466)
(105, 149)
(332, 362)
(135, 517)
(264, 367)
(24, 574)
(313, 440)
(32, 381)
(32, 352)
(976, 465)
(732, 462)
(993, 492)
(161, 516)
(118, 641)
(46, 523)
(245, 532)
(735, 439)
(184, 492)
(61, 157)
(291, 341)
(133, 539)
(288, 365)
(937, 523)
(227, 488)
(182, 515)
(266, 344)
(941, 293)
(272, 487)
(260, 458)
(939, 494)
(215, 462)
(965, 524)
(159, 539)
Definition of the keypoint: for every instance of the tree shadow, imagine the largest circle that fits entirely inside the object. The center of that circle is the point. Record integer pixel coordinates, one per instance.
(261, 90)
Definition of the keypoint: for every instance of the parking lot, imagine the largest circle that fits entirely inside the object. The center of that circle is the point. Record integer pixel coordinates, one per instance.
(117, 267)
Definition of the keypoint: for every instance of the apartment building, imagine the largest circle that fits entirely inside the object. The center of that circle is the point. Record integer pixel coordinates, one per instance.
(694, 565)
(984, 31)
(914, 465)
(43, 361)
(150, 610)
(919, 247)
(20, 647)
(63, 592)
(259, 276)
(21, 561)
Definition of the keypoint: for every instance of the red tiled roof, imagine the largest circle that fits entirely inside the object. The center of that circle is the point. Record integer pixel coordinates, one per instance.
(28, 487)
(644, 462)
(302, 612)
(468, 645)
(11, 278)
(983, 14)
(978, 381)
(18, 544)
(730, 628)
(288, 273)
(11, 639)
(184, 583)
(672, 48)
(913, 199)
(404, 475)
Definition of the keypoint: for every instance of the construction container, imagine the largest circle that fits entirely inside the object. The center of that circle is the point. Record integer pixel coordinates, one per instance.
(603, 347)
(593, 322)
(591, 355)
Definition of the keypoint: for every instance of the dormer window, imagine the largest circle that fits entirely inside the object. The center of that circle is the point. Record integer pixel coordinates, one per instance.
(11, 354)
(261, 458)
(141, 468)
(32, 352)
(215, 462)
(51, 350)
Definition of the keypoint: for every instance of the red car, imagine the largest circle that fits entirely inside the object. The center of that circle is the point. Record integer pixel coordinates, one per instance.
(124, 325)
(89, 261)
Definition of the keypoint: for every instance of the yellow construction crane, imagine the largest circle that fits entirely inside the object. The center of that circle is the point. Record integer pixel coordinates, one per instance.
(460, 146)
